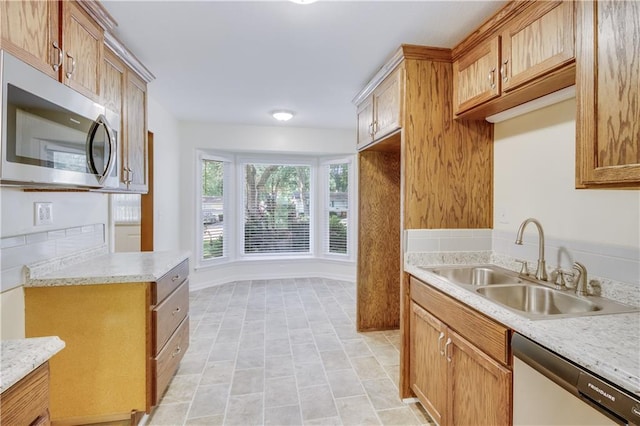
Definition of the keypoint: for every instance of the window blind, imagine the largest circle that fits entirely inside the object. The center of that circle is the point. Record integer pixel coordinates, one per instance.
(212, 208)
(336, 215)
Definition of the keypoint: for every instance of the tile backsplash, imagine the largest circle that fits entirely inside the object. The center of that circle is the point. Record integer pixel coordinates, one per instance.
(20, 250)
(613, 262)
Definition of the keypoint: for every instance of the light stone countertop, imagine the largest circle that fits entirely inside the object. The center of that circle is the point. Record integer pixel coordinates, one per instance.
(107, 269)
(607, 345)
(20, 357)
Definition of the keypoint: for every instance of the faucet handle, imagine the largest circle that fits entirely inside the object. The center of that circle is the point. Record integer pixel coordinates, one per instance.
(524, 270)
(560, 282)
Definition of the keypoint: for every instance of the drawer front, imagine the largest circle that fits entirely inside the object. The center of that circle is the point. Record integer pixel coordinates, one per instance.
(166, 363)
(169, 282)
(485, 333)
(168, 315)
(27, 402)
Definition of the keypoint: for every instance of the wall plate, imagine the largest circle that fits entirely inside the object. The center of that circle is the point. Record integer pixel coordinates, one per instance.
(43, 213)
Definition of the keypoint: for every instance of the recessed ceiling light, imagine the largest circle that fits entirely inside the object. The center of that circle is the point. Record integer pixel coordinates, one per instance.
(303, 1)
(282, 115)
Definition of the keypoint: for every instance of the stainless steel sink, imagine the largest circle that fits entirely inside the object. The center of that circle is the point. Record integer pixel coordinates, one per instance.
(477, 275)
(528, 297)
(538, 300)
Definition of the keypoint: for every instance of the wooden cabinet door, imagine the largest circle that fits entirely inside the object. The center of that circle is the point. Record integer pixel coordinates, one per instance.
(480, 387)
(428, 367)
(113, 82)
(29, 31)
(387, 105)
(476, 76)
(82, 41)
(135, 136)
(365, 123)
(607, 76)
(539, 41)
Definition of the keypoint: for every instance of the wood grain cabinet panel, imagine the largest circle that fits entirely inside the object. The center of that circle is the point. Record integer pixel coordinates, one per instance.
(608, 94)
(29, 31)
(537, 42)
(381, 113)
(524, 52)
(476, 76)
(457, 382)
(82, 41)
(167, 315)
(27, 402)
(166, 363)
(428, 370)
(135, 136)
(113, 82)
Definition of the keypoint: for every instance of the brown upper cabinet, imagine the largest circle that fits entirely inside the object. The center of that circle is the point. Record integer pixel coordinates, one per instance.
(381, 113)
(607, 76)
(82, 42)
(134, 145)
(31, 29)
(524, 52)
(126, 93)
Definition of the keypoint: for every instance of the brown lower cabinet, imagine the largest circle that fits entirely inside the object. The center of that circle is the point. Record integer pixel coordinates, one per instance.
(27, 402)
(456, 381)
(124, 343)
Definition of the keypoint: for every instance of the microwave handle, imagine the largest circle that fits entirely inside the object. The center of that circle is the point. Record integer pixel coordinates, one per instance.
(102, 174)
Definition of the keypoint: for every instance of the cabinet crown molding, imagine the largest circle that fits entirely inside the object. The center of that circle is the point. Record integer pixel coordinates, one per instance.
(405, 51)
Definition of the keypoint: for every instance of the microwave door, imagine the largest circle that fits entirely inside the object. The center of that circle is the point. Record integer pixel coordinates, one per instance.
(101, 149)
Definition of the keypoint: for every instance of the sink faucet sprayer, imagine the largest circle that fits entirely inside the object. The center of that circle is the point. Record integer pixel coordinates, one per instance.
(541, 271)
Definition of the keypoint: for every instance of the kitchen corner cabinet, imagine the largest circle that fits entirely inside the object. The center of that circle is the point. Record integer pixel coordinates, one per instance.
(381, 113)
(456, 381)
(607, 76)
(124, 342)
(528, 55)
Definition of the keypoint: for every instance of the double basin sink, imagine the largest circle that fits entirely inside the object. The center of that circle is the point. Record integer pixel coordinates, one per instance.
(526, 296)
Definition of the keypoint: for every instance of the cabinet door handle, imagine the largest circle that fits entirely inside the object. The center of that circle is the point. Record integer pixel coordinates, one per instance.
(176, 352)
(176, 310)
(446, 349)
(492, 78)
(375, 127)
(371, 131)
(503, 71)
(73, 66)
(57, 66)
(175, 278)
(440, 349)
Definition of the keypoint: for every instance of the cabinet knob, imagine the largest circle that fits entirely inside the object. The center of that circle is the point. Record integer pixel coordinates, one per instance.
(176, 310)
(175, 278)
(176, 352)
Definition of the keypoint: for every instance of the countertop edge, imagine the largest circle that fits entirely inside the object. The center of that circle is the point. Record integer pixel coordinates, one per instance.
(36, 350)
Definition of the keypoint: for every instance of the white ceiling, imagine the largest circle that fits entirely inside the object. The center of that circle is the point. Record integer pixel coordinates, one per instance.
(235, 61)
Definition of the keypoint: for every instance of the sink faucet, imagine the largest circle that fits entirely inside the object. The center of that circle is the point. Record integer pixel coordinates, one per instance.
(541, 271)
(581, 279)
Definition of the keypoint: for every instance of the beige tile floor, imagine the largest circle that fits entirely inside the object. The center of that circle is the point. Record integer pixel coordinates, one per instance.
(284, 352)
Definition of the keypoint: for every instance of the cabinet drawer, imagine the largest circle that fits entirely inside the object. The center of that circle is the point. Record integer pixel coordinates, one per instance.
(166, 363)
(488, 335)
(168, 314)
(169, 282)
(27, 402)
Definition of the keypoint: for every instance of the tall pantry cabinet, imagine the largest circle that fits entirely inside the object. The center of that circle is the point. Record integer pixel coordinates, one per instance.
(430, 172)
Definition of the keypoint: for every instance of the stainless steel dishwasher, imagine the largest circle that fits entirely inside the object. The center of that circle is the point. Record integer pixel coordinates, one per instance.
(546, 386)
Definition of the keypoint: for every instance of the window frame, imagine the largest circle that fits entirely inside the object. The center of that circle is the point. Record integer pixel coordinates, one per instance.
(227, 200)
(241, 161)
(323, 244)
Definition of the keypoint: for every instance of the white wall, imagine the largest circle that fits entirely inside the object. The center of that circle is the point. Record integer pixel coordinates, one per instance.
(16, 218)
(534, 176)
(166, 177)
(263, 139)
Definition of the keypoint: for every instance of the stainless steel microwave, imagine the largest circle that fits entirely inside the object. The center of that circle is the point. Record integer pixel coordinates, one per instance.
(52, 136)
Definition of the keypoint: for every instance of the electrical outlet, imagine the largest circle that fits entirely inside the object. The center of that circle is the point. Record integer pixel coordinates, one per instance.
(43, 213)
